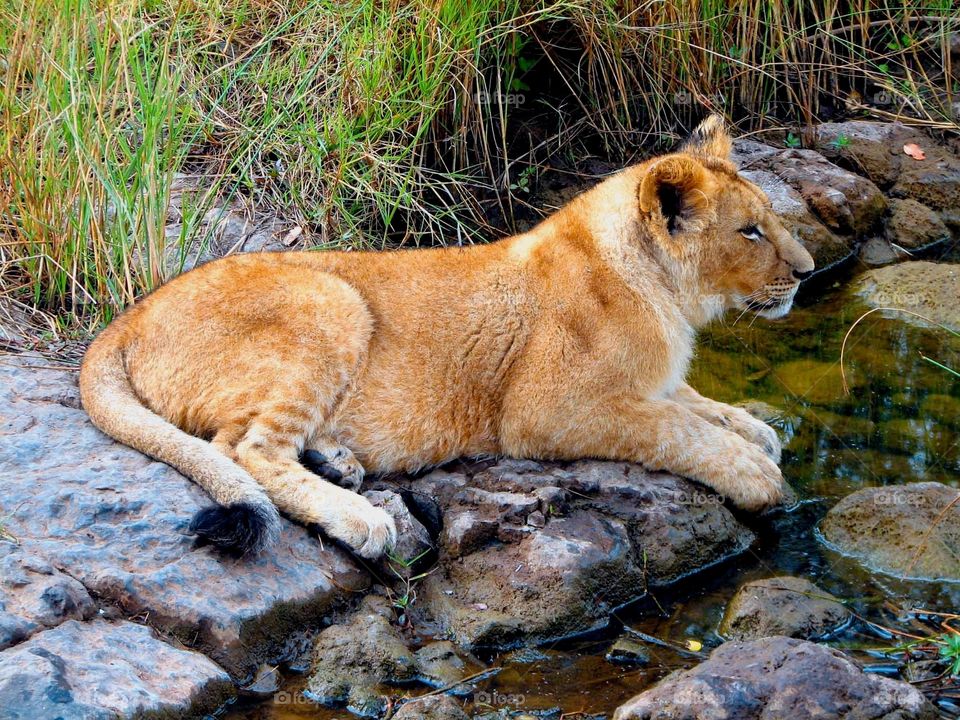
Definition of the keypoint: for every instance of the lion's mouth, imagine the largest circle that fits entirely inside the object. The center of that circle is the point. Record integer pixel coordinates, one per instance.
(770, 307)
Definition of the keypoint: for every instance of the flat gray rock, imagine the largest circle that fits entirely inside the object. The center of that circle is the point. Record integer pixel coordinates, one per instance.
(111, 523)
(100, 670)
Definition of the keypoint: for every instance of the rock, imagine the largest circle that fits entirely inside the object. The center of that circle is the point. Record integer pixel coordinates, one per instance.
(876, 149)
(441, 665)
(789, 606)
(927, 288)
(413, 540)
(116, 523)
(914, 226)
(846, 203)
(431, 707)
(353, 661)
(777, 677)
(628, 651)
(903, 530)
(266, 682)
(466, 531)
(34, 596)
(880, 251)
(872, 148)
(100, 670)
(622, 529)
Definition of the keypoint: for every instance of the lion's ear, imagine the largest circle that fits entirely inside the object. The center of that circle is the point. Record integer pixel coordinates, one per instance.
(710, 138)
(678, 189)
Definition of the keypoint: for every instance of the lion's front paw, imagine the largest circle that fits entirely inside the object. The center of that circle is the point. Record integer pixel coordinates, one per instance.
(755, 431)
(369, 531)
(336, 464)
(749, 478)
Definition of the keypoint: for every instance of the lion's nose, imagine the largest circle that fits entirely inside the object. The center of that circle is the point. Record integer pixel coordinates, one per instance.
(802, 274)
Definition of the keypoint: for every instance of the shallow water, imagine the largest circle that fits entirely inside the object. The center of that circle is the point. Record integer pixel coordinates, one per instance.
(899, 423)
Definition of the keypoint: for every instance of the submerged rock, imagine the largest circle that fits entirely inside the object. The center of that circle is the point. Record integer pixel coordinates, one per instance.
(926, 288)
(628, 651)
(909, 531)
(777, 677)
(790, 606)
(100, 670)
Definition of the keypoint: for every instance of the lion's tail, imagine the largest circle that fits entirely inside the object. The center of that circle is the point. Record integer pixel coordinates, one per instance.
(245, 520)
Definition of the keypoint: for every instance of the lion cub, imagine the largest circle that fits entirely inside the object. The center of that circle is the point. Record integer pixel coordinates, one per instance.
(571, 340)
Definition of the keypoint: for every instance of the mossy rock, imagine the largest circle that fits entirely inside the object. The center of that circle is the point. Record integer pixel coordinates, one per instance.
(908, 531)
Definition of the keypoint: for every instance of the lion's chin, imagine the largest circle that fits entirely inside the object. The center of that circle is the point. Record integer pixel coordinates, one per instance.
(777, 311)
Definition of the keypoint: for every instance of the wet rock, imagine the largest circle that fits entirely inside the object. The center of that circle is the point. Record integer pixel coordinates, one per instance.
(432, 707)
(100, 670)
(777, 677)
(927, 288)
(355, 660)
(352, 660)
(624, 528)
(265, 682)
(34, 596)
(880, 251)
(441, 664)
(116, 523)
(628, 651)
(904, 530)
(913, 225)
(789, 606)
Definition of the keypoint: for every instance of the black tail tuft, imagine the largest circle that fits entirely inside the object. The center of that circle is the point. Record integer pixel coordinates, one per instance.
(236, 529)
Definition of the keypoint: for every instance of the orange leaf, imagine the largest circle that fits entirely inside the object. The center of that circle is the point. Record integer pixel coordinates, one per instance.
(914, 151)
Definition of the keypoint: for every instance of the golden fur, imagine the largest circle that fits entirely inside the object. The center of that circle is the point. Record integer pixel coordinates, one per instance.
(568, 341)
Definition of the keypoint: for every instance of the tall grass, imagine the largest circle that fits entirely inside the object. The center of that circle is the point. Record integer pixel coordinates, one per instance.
(373, 122)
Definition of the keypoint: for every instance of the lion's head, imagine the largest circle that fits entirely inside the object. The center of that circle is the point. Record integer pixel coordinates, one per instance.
(717, 232)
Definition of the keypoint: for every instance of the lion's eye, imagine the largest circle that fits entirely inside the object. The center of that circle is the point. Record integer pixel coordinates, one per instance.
(752, 232)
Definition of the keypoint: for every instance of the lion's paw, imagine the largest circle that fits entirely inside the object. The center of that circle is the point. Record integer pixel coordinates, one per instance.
(369, 531)
(747, 477)
(755, 431)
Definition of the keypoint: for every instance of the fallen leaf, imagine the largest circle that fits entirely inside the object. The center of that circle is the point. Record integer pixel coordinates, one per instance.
(914, 151)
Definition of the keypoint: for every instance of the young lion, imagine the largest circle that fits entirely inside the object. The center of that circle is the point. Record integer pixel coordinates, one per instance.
(568, 341)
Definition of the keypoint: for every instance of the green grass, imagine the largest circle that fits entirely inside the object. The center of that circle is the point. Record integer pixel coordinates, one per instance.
(361, 121)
